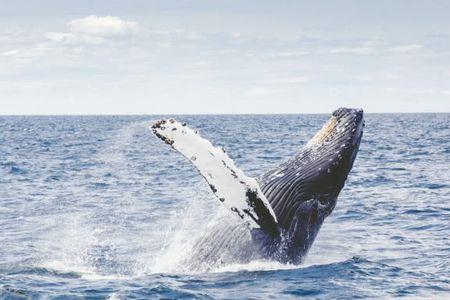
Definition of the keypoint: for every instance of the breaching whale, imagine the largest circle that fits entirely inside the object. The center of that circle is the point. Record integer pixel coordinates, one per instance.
(280, 213)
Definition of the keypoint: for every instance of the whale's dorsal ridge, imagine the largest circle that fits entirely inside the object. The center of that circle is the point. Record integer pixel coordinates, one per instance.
(241, 194)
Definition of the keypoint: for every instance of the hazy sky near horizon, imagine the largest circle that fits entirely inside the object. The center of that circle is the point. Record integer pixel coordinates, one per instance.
(164, 57)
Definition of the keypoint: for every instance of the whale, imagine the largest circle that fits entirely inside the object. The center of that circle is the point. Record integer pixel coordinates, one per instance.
(278, 215)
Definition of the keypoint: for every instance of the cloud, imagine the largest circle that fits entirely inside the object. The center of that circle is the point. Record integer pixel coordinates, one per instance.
(291, 53)
(298, 79)
(9, 53)
(236, 35)
(352, 50)
(71, 38)
(102, 26)
(93, 30)
(420, 91)
(405, 48)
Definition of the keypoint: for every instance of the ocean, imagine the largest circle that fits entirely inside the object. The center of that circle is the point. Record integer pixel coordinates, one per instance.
(97, 207)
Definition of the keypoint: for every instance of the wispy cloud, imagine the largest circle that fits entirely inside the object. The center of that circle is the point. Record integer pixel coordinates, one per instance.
(420, 91)
(405, 48)
(291, 53)
(352, 50)
(9, 53)
(71, 38)
(297, 79)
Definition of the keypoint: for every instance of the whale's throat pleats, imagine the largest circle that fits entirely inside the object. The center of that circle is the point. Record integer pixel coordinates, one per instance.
(305, 188)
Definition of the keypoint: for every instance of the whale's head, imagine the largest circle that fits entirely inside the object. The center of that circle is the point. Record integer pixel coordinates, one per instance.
(303, 190)
(333, 151)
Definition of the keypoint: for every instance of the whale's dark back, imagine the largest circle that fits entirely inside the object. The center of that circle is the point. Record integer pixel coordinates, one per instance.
(303, 190)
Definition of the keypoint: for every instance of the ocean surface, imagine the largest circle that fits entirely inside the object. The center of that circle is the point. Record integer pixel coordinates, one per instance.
(97, 207)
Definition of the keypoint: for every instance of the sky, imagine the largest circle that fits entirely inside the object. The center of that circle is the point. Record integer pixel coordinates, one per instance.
(223, 57)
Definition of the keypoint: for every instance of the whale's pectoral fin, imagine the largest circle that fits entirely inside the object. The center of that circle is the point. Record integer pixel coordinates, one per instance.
(239, 193)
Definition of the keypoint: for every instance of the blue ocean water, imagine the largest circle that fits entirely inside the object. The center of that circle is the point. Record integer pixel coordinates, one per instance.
(97, 207)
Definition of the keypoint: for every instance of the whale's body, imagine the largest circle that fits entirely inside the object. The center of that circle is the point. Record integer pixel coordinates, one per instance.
(281, 212)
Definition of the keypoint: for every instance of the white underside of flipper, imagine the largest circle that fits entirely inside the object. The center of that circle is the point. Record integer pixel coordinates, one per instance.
(239, 193)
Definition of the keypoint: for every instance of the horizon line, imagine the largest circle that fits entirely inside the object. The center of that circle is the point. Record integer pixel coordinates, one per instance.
(208, 114)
